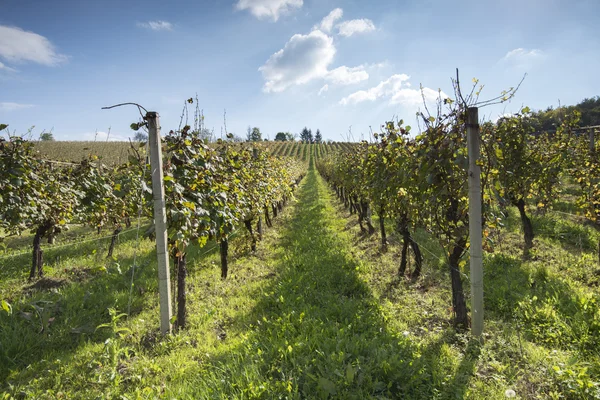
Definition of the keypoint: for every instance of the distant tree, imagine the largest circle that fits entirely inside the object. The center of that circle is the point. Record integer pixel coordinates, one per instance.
(550, 119)
(253, 135)
(290, 137)
(281, 137)
(47, 137)
(140, 137)
(318, 137)
(306, 135)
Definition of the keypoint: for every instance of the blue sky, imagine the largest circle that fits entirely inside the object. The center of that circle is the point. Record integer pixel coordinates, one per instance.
(283, 64)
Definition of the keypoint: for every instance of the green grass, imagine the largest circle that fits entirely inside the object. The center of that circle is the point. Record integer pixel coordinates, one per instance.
(542, 316)
(317, 312)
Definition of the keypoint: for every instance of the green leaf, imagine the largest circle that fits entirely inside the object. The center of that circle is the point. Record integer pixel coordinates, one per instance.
(6, 307)
(499, 153)
(350, 372)
(327, 386)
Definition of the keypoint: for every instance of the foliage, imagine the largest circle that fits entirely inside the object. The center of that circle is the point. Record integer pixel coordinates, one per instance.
(253, 135)
(318, 137)
(140, 137)
(306, 135)
(34, 195)
(46, 137)
(550, 119)
(528, 165)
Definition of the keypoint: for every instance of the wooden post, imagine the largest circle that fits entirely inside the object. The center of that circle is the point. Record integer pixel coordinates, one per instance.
(160, 221)
(475, 225)
(592, 138)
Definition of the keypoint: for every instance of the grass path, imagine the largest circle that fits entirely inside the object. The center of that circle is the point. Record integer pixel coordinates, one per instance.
(317, 330)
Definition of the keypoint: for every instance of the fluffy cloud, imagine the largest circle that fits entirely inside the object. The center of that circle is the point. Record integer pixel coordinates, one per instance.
(397, 89)
(355, 26)
(269, 8)
(347, 76)
(302, 59)
(308, 57)
(385, 88)
(323, 89)
(414, 97)
(327, 22)
(156, 25)
(7, 106)
(18, 45)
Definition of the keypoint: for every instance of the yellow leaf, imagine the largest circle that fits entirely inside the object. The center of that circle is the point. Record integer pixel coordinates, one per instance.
(190, 205)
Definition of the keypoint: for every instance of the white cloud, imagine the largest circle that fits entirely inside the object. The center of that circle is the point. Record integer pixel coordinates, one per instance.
(323, 89)
(8, 106)
(4, 67)
(414, 97)
(523, 59)
(302, 59)
(355, 26)
(384, 88)
(269, 8)
(18, 45)
(396, 88)
(347, 76)
(521, 54)
(156, 25)
(327, 22)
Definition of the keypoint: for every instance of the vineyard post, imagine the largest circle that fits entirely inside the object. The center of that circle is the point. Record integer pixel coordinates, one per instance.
(592, 138)
(475, 225)
(160, 221)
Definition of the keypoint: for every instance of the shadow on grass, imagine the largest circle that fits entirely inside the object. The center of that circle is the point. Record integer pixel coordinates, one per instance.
(52, 324)
(550, 311)
(572, 236)
(317, 330)
(18, 266)
(575, 236)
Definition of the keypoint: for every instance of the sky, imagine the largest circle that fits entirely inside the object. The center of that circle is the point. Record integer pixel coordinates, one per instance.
(343, 67)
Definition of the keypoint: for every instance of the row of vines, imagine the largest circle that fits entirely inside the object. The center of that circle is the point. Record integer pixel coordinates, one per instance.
(210, 192)
(421, 181)
(303, 150)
